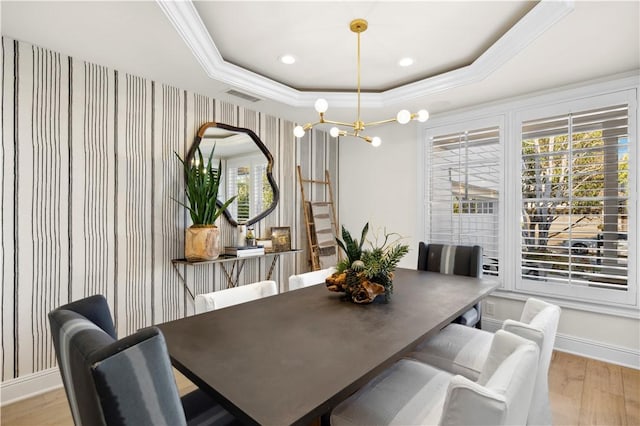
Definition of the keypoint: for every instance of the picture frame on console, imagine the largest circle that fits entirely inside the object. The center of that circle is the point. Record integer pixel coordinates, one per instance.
(281, 238)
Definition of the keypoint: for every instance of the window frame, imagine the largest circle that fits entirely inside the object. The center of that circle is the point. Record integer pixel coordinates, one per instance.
(622, 87)
(575, 291)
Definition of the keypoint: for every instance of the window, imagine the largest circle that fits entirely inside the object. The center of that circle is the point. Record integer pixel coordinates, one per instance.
(239, 183)
(247, 177)
(548, 186)
(575, 200)
(463, 189)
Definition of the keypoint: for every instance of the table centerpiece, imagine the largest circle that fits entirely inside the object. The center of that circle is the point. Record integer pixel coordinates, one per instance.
(365, 274)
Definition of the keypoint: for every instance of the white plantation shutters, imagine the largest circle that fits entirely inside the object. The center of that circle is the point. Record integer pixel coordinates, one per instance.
(237, 185)
(247, 179)
(259, 178)
(463, 190)
(575, 199)
(549, 188)
(243, 188)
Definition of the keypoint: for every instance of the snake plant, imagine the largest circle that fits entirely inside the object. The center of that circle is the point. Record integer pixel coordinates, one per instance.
(202, 185)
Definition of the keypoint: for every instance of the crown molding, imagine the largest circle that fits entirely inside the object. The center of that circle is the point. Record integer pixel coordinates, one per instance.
(188, 23)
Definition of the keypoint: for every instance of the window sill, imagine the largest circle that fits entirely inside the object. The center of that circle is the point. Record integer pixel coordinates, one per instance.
(613, 310)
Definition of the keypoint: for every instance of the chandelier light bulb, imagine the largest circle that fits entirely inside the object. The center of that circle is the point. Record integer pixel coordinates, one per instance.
(322, 105)
(298, 131)
(403, 117)
(423, 115)
(334, 132)
(376, 141)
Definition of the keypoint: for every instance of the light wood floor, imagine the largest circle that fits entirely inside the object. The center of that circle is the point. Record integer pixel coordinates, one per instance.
(588, 392)
(583, 392)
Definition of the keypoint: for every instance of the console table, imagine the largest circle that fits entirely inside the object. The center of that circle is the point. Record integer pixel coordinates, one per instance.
(231, 265)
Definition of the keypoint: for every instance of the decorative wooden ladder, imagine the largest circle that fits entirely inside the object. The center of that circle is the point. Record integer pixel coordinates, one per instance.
(314, 248)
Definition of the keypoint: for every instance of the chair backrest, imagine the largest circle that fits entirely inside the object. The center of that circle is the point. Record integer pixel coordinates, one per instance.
(450, 259)
(502, 394)
(109, 381)
(235, 295)
(309, 278)
(539, 323)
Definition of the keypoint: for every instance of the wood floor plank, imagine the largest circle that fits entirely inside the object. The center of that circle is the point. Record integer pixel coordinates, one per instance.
(605, 376)
(184, 385)
(603, 395)
(566, 379)
(48, 409)
(631, 384)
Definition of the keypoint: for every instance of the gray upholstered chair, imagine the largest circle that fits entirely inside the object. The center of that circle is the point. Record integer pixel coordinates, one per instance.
(456, 260)
(463, 350)
(232, 296)
(413, 393)
(309, 278)
(121, 382)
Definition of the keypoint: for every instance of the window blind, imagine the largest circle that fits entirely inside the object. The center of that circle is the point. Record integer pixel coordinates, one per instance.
(575, 193)
(464, 191)
(261, 188)
(243, 188)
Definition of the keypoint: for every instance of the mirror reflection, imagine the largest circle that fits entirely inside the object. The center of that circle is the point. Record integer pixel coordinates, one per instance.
(246, 166)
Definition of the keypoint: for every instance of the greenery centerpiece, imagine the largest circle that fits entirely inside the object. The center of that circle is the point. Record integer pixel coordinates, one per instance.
(366, 273)
(202, 182)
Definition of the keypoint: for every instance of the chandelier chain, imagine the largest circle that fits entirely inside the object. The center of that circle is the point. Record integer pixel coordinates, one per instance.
(357, 124)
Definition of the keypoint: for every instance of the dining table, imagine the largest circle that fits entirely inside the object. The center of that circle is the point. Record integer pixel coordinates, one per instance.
(291, 358)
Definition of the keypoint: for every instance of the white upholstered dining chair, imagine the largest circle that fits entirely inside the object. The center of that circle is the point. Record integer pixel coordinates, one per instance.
(309, 278)
(463, 350)
(235, 295)
(414, 393)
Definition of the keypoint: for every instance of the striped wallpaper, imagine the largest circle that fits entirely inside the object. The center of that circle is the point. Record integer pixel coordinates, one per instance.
(88, 173)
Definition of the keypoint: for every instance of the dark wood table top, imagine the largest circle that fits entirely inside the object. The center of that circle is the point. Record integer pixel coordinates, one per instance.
(290, 358)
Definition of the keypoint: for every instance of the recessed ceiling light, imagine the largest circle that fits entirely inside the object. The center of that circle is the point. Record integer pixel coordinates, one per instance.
(287, 59)
(405, 62)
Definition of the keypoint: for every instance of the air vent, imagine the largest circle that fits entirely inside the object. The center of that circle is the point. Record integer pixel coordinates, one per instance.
(242, 95)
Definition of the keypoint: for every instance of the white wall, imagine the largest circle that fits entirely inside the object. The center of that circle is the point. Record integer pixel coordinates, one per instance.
(381, 186)
(610, 338)
(623, 332)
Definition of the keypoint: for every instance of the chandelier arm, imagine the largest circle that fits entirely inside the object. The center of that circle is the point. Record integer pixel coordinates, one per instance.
(375, 123)
(368, 139)
(339, 123)
(309, 126)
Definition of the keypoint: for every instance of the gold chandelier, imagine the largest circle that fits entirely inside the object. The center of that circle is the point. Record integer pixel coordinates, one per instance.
(404, 116)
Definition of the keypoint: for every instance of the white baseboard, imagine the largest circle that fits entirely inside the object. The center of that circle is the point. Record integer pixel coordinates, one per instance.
(30, 385)
(584, 347)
